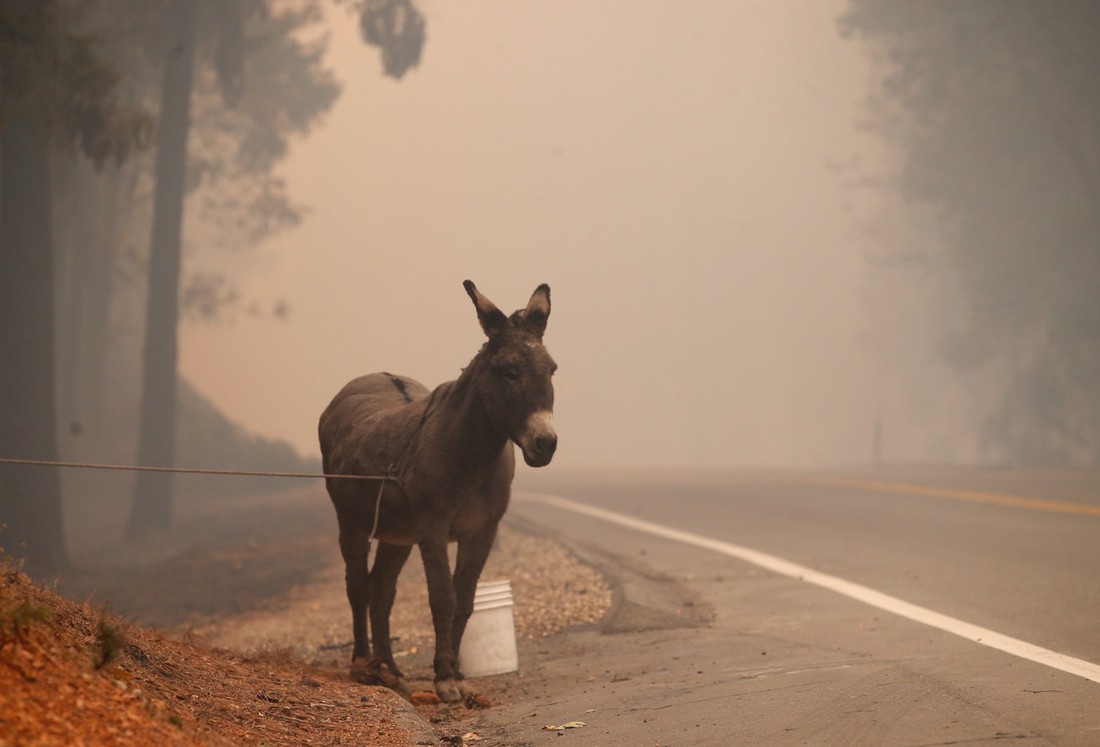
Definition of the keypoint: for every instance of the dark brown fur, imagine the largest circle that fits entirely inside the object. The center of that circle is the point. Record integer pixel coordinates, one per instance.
(449, 453)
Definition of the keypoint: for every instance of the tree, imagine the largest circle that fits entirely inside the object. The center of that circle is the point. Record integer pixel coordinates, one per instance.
(103, 232)
(31, 496)
(151, 513)
(995, 106)
(255, 87)
(56, 92)
(397, 28)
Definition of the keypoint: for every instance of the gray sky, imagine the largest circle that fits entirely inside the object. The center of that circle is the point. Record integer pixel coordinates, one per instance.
(665, 167)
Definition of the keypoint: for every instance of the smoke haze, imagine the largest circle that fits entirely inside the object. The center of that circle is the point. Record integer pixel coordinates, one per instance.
(676, 173)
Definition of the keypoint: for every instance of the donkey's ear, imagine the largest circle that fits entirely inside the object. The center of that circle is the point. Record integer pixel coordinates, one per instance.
(538, 310)
(491, 318)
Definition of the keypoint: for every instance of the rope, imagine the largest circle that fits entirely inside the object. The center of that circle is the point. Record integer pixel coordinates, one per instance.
(194, 471)
(382, 479)
(377, 510)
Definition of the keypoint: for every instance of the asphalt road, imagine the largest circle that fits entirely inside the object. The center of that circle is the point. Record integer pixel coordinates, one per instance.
(787, 662)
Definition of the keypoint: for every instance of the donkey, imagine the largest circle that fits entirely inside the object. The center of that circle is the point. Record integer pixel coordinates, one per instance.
(449, 463)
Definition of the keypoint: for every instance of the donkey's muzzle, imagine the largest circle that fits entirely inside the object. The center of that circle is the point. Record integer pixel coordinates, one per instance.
(542, 450)
(539, 441)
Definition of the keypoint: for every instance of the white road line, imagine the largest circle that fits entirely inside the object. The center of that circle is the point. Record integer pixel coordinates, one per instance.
(864, 594)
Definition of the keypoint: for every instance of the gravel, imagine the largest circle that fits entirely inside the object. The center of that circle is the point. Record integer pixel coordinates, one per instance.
(552, 591)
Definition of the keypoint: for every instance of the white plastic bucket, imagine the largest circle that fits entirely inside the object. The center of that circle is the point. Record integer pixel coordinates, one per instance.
(489, 644)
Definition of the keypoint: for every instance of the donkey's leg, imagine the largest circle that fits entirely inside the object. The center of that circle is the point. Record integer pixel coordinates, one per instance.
(383, 588)
(355, 548)
(441, 598)
(472, 554)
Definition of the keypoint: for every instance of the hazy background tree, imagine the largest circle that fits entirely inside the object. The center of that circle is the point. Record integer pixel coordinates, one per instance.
(397, 28)
(995, 105)
(57, 93)
(102, 224)
(152, 509)
(255, 85)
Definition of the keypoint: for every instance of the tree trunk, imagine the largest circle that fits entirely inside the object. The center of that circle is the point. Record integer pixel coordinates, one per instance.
(97, 311)
(86, 236)
(151, 513)
(75, 221)
(30, 497)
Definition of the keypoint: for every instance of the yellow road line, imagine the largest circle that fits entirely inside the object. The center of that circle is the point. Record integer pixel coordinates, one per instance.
(974, 496)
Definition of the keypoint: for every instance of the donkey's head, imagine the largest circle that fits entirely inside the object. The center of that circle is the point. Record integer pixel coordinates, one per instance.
(515, 371)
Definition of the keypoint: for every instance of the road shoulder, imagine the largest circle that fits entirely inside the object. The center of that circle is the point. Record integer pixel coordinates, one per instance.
(780, 662)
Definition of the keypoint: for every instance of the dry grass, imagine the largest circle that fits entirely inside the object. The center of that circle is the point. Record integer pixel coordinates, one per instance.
(70, 675)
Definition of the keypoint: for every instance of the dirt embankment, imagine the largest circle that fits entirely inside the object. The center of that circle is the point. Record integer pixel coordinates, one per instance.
(72, 675)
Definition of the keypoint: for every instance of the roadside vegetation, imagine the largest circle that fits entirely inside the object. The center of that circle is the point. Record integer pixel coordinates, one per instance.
(71, 674)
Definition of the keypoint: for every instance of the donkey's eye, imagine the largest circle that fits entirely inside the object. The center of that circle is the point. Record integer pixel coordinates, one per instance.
(512, 374)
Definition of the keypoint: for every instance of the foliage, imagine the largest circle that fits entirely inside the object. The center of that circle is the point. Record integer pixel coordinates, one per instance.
(109, 641)
(281, 90)
(996, 106)
(210, 297)
(17, 618)
(15, 622)
(260, 81)
(61, 83)
(397, 28)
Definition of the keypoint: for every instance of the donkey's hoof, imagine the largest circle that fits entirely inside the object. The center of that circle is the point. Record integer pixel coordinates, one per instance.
(362, 672)
(392, 666)
(375, 672)
(448, 691)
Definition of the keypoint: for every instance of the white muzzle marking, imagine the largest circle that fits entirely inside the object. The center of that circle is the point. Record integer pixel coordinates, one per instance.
(539, 431)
